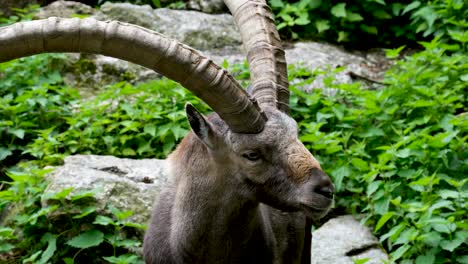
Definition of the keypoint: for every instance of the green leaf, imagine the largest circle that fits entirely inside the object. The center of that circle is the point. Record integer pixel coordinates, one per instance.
(369, 29)
(104, 220)
(429, 258)
(432, 238)
(428, 14)
(361, 261)
(82, 194)
(19, 133)
(451, 245)
(381, 205)
(87, 239)
(381, 14)
(342, 36)
(372, 187)
(156, 3)
(121, 215)
(51, 247)
(33, 257)
(4, 153)
(57, 195)
(339, 10)
(372, 132)
(353, 17)
(85, 211)
(397, 254)
(411, 6)
(313, 4)
(463, 259)
(338, 176)
(394, 53)
(383, 220)
(123, 259)
(360, 164)
(444, 194)
(150, 129)
(464, 77)
(382, 2)
(69, 261)
(6, 247)
(128, 152)
(322, 25)
(276, 3)
(442, 225)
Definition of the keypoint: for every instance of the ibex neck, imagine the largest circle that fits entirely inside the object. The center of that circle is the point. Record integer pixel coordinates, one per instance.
(211, 217)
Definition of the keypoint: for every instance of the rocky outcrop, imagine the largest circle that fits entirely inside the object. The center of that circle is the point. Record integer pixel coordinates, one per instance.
(65, 9)
(133, 185)
(215, 35)
(208, 6)
(199, 30)
(125, 184)
(344, 240)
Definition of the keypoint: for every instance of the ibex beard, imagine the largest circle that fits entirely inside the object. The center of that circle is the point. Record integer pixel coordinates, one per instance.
(238, 198)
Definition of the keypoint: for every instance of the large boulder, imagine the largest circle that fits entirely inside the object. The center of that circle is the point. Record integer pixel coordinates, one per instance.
(215, 35)
(208, 6)
(344, 240)
(125, 184)
(199, 30)
(133, 185)
(64, 9)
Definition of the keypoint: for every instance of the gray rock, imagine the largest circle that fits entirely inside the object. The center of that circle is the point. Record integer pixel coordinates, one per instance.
(123, 183)
(358, 65)
(64, 9)
(369, 67)
(343, 240)
(216, 36)
(199, 30)
(89, 73)
(208, 6)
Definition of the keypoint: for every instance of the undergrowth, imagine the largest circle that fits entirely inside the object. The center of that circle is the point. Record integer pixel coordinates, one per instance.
(398, 155)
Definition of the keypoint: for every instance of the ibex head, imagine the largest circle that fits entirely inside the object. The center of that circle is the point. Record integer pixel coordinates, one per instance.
(273, 166)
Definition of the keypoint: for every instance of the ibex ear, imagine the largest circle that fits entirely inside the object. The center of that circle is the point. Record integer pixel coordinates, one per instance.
(200, 126)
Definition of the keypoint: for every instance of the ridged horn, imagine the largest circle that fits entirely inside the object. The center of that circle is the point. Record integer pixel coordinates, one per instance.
(267, 62)
(172, 59)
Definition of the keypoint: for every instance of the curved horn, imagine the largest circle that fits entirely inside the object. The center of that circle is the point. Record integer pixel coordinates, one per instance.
(265, 54)
(176, 61)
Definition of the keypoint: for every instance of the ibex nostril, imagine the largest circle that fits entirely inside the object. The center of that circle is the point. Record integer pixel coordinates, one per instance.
(327, 190)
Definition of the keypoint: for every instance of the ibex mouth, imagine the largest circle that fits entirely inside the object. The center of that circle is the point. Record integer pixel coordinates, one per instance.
(316, 213)
(316, 205)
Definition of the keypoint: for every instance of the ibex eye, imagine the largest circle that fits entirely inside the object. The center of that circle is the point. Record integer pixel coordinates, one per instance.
(253, 156)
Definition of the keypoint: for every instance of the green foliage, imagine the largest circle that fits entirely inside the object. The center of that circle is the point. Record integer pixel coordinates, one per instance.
(440, 18)
(32, 98)
(70, 219)
(366, 23)
(146, 120)
(21, 14)
(400, 154)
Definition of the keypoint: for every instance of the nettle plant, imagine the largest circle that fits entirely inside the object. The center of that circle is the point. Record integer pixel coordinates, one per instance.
(380, 22)
(400, 154)
(51, 232)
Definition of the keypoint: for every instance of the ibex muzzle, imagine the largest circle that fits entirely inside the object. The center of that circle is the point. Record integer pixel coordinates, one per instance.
(244, 187)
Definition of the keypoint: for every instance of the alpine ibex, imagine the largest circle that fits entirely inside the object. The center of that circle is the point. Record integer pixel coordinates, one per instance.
(244, 187)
